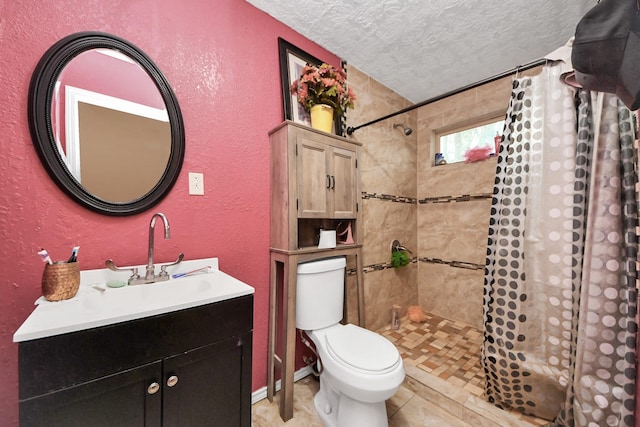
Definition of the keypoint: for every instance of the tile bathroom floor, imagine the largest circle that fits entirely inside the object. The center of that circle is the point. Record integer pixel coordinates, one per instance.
(443, 386)
(404, 409)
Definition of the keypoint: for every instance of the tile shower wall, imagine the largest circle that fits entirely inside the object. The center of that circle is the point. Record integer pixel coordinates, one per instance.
(441, 213)
(388, 174)
(452, 230)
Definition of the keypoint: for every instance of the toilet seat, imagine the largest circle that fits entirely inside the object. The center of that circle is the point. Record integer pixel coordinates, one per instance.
(362, 350)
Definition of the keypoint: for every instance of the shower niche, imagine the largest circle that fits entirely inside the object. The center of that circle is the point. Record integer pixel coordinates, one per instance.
(315, 185)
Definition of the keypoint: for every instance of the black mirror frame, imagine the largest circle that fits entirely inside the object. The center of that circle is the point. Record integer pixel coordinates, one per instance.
(41, 90)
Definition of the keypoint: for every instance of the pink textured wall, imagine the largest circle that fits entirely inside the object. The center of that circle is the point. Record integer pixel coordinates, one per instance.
(221, 58)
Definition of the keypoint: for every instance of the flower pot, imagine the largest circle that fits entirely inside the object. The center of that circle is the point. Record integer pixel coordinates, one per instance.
(322, 117)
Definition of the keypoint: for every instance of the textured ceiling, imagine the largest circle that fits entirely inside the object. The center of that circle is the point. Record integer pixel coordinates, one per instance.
(425, 48)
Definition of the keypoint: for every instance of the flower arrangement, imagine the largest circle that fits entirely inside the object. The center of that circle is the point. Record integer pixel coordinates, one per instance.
(323, 85)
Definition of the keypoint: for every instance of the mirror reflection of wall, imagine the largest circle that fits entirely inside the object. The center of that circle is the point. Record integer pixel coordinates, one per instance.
(105, 134)
(110, 125)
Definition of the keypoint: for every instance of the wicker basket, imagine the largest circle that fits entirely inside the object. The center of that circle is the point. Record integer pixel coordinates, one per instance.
(60, 281)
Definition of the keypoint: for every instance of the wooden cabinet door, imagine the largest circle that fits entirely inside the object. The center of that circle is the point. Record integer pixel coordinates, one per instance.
(343, 183)
(313, 178)
(209, 386)
(120, 400)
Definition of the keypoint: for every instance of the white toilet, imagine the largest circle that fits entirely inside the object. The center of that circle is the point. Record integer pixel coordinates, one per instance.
(361, 369)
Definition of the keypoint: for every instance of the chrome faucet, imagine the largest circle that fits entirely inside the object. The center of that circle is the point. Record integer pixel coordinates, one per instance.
(151, 275)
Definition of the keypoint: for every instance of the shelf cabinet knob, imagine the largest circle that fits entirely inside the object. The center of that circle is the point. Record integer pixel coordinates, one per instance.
(172, 380)
(153, 388)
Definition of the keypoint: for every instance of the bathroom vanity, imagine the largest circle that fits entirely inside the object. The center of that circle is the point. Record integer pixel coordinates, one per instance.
(190, 366)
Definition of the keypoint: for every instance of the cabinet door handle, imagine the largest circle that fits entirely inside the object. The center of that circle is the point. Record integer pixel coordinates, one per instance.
(333, 182)
(153, 388)
(328, 181)
(172, 380)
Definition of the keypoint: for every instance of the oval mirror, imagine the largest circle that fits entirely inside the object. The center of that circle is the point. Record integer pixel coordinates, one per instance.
(105, 123)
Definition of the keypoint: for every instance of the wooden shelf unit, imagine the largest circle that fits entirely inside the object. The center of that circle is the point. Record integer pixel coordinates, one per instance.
(315, 183)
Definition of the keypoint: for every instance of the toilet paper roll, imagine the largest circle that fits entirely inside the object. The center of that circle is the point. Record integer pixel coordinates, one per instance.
(327, 239)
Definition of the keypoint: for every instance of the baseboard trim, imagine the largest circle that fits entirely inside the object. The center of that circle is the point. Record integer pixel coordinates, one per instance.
(261, 393)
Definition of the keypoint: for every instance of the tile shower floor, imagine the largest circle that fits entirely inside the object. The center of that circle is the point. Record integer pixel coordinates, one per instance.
(441, 347)
(443, 386)
(447, 350)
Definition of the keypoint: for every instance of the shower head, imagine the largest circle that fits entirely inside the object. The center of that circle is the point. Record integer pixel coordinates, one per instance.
(406, 129)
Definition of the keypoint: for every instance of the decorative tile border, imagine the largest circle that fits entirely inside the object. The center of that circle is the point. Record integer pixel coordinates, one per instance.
(386, 265)
(389, 197)
(382, 266)
(439, 199)
(462, 198)
(342, 131)
(456, 264)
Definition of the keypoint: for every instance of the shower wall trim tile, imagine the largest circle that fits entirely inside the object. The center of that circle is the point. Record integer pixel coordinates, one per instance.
(386, 265)
(342, 131)
(449, 199)
(437, 199)
(389, 197)
(383, 266)
(456, 264)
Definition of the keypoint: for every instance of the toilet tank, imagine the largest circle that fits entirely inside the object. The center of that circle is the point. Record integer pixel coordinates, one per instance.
(320, 293)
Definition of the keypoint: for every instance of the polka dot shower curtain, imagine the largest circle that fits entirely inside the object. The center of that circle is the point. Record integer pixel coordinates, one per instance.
(559, 293)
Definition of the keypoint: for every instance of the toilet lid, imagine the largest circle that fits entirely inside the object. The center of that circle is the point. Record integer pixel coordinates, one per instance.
(362, 349)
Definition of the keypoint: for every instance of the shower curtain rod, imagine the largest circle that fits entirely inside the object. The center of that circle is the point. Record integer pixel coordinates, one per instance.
(518, 69)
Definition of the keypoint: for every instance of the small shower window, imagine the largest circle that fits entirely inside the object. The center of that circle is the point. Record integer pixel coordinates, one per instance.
(454, 143)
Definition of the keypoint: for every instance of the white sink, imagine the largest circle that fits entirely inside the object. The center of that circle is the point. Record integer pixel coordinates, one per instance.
(149, 296)
(96, 304)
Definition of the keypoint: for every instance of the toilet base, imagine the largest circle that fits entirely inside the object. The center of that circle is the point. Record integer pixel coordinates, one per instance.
(339, 410)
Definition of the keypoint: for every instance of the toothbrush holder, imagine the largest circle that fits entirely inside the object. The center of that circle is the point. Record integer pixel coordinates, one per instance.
(60, 280)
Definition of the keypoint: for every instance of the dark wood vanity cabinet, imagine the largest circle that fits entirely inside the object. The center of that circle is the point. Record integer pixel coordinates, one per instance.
(186, 368)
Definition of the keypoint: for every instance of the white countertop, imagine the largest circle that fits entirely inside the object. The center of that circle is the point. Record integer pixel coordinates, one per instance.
(96, 304)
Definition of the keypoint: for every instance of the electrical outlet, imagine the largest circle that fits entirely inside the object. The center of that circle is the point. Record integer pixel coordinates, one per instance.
(196, 184)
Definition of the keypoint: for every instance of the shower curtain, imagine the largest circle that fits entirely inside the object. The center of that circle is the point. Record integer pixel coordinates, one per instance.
(560, 278)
